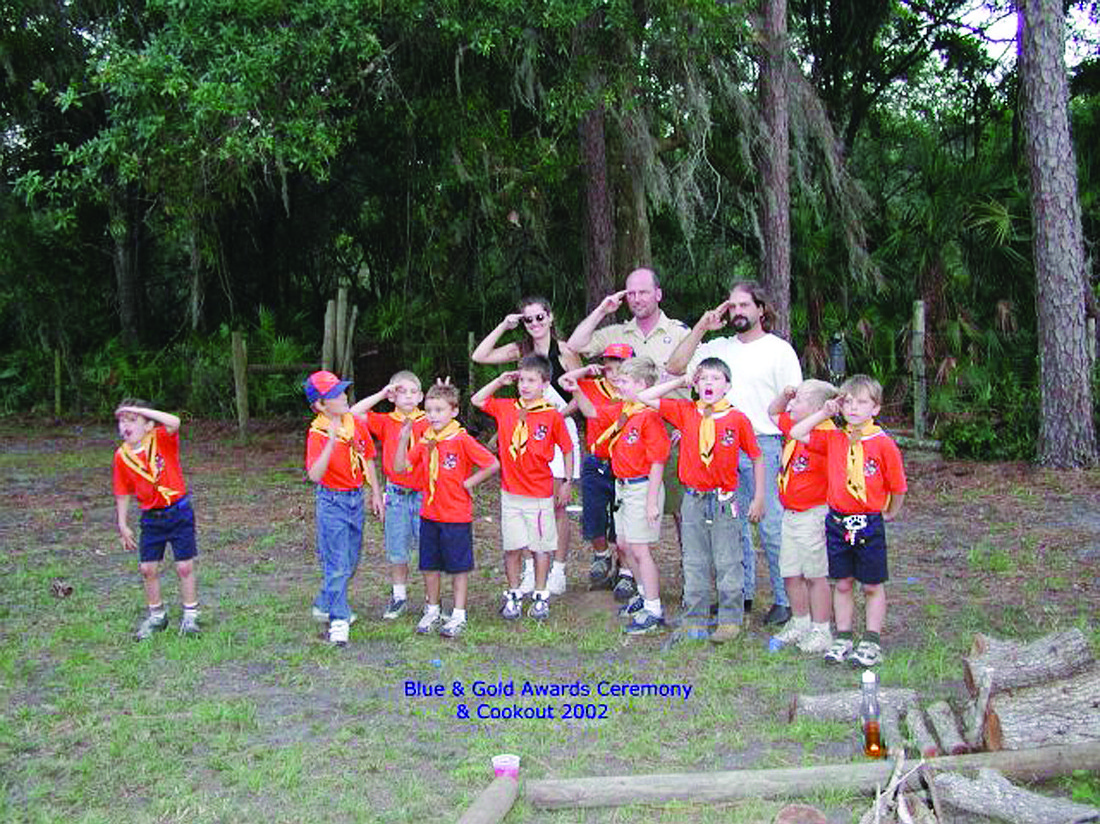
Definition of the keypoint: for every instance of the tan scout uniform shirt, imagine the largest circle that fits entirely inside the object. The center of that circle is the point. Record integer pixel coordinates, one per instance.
(659, 345)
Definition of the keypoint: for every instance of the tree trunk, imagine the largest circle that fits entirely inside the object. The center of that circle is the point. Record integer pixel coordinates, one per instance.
(1011, 664)
(196, 282)
(1067, 437)
(774, 167)
(126, 233)
(632, 236)
(599, 229)
(1062, 712)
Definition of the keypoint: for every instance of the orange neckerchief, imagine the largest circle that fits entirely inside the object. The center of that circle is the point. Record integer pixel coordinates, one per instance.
(615, 431)
(708, 431)
(788, 453)
(432, 439)
(414, 416)
(143, 461)
(345, 434)
(855, 482)
(520, 434)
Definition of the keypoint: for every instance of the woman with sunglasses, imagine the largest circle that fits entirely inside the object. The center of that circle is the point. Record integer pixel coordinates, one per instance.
(535, 315)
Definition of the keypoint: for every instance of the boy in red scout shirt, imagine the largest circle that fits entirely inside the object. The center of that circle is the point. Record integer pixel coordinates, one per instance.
(528, 429)
(803, 486)
(147, 466)
(639, 447)
(444, 455)
(596, 382)
(866, 488)
(339, 450)
(712, 436)
(403, 489)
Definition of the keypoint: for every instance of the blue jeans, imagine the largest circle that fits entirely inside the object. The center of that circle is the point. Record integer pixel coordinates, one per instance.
(771, 526)
(709, 531)
(339, 536)
(402, 528)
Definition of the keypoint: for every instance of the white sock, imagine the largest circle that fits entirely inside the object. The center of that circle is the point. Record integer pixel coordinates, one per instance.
(653, 607)
(559, 566)
(822, 627)
(400, 591)
(641, 589)
(625, 573)
(458, 614)
(431, 609)
(801, 621)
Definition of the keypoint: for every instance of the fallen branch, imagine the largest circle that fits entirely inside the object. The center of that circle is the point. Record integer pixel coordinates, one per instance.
(715, 787)
(494, 802)
(844, 706)
(995, 796)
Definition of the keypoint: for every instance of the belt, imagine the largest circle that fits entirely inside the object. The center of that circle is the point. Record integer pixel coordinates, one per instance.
(721, 494)
(402, 490)
(638, 480)
(165, 511)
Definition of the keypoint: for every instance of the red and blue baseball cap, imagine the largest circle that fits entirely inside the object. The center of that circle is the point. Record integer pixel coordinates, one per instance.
(323, 386)
(622, 351)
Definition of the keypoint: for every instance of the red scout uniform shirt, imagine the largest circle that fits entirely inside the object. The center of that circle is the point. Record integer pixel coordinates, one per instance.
(602, 395)
(882, 470)
(151, 473)
(451, 502)
(643, 442)
(386, 426)
(349, 456)
(807, 479)
(733, 433)
(529, 473)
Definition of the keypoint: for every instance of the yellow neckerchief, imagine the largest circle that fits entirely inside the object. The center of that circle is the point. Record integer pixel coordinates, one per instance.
(143, 461)
(414, 416)
(604, 387)
(708, 431)
(345, 434)
(855, 482)
(520, 434)
(432, 439)
(788, 453)
(615, 431)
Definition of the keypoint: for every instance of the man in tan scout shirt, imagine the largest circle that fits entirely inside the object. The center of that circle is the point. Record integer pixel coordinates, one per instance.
(651, 333)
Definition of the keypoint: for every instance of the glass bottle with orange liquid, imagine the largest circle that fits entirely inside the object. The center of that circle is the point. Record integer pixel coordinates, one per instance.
(869, 717)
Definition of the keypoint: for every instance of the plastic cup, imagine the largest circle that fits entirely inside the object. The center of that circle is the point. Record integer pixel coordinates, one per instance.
(506, 765)
(775, 644)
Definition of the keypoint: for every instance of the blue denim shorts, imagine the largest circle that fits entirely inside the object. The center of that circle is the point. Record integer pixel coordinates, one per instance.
(173, 525)
(446, 547)
(597, 499)
(402, 522)
(857, 546)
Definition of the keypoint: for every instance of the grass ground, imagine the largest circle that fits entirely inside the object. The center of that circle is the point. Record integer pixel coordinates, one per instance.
(260, 719)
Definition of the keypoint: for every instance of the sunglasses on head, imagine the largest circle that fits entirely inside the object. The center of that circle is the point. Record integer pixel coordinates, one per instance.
(529, 319)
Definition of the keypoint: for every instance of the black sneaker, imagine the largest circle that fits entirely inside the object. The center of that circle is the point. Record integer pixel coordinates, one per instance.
(778, 614)
(601, 575)
(625, 589)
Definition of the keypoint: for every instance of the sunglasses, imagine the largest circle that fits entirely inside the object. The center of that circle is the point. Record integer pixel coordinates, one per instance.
(529, 319)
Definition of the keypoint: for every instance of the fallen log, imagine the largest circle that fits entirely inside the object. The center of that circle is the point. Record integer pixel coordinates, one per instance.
(1012, 664)
(992, 795)
(1064, 712)
(922, 739)
(844, 706)
(975, 731)
(716, 787)
(943, 722)
(494, 802)
(890, 729)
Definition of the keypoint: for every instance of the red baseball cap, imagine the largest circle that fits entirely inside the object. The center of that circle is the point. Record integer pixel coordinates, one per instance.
(622, 351)
(323, 386)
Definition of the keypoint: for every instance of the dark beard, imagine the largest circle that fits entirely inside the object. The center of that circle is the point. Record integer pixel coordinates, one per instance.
(740, 324)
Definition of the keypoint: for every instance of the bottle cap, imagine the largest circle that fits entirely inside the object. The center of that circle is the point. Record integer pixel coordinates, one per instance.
(869, 677)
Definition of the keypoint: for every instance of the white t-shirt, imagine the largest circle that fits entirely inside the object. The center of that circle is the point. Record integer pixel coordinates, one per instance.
(759, 371)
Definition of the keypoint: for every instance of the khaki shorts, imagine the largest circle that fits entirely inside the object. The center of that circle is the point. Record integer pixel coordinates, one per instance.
(802, 546)
(631, 524)
(527, 523)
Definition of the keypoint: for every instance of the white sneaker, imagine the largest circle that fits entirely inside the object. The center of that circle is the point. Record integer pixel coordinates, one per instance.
(555, 581)
(795, 631)
(338, 633)
(819, 639)
(429, 621)
(452, 628)
(527, 583)
(321, 617)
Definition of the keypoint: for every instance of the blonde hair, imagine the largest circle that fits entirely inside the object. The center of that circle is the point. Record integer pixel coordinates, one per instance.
(444, 392)
(817, 392)
(640, 367)
(406, 375)
(863, 383)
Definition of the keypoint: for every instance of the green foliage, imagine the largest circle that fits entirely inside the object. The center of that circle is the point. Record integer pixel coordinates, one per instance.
(986, 417)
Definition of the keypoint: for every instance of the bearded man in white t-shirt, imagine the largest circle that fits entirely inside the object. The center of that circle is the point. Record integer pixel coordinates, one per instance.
(761, 365)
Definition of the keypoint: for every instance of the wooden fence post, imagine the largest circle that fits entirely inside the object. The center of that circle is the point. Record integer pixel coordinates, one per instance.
(330, 334)
(920, 387)
(240, 382)
(57, 383)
